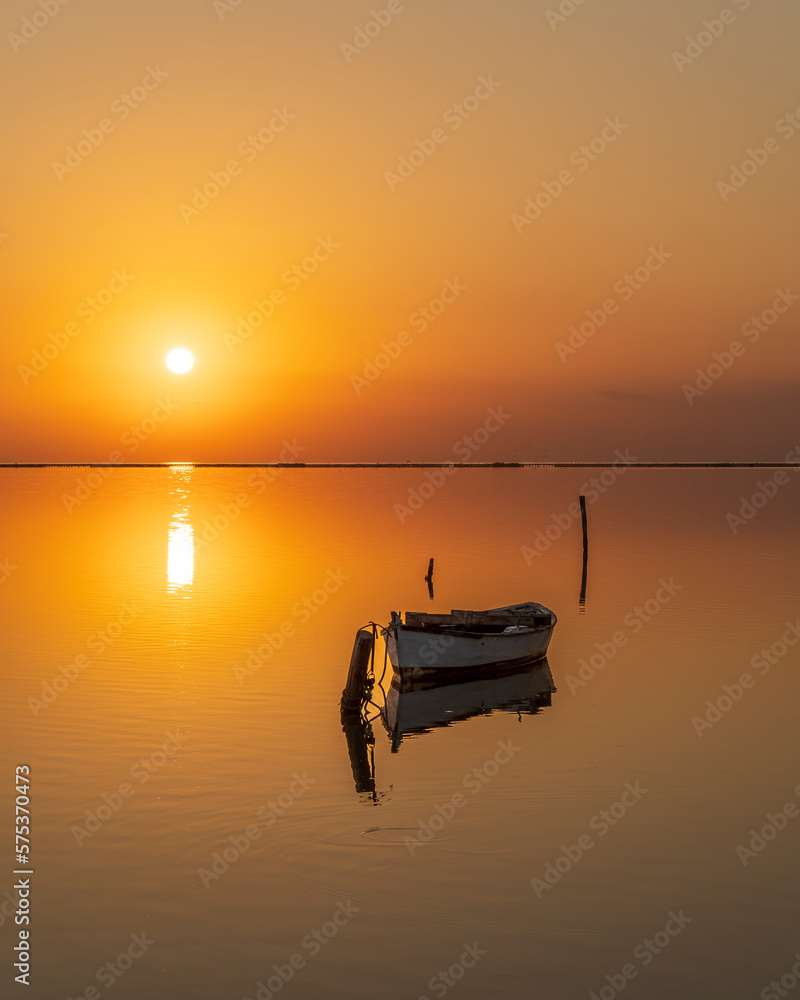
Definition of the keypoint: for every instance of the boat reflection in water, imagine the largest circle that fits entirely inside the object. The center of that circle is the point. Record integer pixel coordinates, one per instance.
(419, 701)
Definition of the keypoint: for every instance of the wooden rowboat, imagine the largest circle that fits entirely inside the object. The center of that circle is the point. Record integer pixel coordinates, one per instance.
(500, 637)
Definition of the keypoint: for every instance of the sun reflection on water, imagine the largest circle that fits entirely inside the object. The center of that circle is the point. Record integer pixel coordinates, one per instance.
(180, 556)
(180, 544)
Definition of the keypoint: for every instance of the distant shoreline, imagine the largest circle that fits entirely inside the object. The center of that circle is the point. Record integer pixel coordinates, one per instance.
(397, 465)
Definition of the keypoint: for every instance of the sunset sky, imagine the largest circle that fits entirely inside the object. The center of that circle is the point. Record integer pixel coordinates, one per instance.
(440, 190)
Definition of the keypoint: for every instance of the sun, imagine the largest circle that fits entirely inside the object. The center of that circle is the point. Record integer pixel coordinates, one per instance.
(180, 361)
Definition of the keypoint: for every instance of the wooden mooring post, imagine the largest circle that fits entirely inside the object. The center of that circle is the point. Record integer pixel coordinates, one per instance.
(353, 694)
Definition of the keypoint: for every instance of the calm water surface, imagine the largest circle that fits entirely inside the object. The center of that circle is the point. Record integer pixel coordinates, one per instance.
(168, 581)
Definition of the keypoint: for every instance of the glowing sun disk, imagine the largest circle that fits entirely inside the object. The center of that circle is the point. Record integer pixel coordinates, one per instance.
(180, 360)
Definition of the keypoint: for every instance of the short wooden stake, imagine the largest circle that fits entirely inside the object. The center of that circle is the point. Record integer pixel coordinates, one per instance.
(429, 579)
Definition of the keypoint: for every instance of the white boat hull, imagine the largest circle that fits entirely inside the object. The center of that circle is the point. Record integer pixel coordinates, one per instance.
(419, 648)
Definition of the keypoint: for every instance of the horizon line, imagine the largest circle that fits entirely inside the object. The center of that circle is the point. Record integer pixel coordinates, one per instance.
(399, 465)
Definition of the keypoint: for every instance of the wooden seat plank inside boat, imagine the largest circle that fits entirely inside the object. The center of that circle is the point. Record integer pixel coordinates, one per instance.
(477, 619)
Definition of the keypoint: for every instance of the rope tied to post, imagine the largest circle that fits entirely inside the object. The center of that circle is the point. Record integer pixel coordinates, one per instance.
(361, 679)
